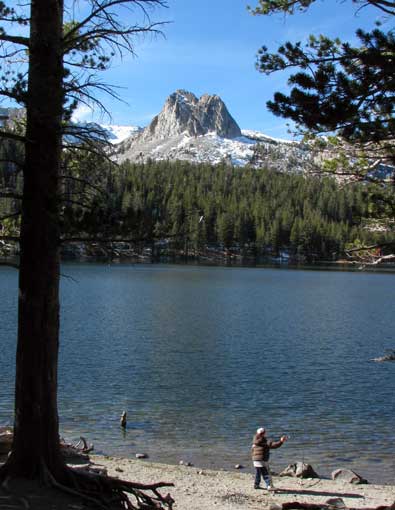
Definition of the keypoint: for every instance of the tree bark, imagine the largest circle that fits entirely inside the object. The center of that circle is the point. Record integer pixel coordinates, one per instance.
(36, 428)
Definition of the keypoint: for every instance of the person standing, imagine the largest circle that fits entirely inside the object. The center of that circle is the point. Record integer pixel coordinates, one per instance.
(261, 447)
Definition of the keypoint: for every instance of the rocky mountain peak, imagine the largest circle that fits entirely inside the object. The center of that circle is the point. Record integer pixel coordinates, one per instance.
(183, 112)
(182, 95)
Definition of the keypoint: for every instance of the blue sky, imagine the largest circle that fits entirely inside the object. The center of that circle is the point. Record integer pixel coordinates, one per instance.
(210, 46)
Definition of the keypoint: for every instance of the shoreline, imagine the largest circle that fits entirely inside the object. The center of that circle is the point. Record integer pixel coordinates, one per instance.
(324, 265)
(197, 489)
(377, 473)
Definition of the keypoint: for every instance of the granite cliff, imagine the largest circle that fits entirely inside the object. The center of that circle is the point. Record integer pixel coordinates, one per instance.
(203, 130)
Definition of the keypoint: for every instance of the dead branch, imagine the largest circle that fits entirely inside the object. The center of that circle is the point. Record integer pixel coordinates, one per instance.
(89, 148)
(109, 35)
(370, 259)
(92, 132)
(370, 247)
(80, 92)
(384, 258)
(85, 448)
(100, 12)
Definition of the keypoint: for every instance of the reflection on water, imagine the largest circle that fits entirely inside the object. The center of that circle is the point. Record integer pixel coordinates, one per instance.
(199, 357)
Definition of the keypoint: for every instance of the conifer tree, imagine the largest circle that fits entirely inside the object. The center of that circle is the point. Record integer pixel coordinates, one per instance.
(347, 92)
(59, 62)
(338, 87)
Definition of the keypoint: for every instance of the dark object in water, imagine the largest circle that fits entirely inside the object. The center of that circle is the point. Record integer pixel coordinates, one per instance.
(389, 356)
(123, 420)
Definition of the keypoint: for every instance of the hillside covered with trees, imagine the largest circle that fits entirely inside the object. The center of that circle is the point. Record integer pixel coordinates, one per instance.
(180, 209)
(259, 210)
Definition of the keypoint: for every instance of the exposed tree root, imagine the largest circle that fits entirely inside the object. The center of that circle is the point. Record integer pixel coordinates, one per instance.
(102, 491)
(108, 492)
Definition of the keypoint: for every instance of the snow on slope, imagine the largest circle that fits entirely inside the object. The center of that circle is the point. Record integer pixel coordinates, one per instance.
(202, 130)
(284, 155)
(261, 137)
(116, 134)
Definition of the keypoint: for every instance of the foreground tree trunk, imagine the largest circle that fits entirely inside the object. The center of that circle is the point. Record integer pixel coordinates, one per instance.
(35, 449)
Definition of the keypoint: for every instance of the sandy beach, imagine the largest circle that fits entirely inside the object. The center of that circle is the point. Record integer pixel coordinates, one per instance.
(198, 489)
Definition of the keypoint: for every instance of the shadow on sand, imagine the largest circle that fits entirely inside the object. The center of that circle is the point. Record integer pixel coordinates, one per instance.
(307, 492)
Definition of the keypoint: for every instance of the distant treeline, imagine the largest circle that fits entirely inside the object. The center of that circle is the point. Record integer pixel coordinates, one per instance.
(258, 210)
(179, 204)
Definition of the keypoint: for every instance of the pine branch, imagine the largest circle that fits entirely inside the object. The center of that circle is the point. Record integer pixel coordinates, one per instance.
(386, 6)
(267, 7)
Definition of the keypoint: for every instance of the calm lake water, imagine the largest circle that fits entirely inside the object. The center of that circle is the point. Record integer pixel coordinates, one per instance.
(200, 357)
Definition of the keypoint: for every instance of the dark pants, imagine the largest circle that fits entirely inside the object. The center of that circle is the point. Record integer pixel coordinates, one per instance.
(262, 472)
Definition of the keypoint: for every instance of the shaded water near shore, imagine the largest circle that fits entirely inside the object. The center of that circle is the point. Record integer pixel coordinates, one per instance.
(199, 357)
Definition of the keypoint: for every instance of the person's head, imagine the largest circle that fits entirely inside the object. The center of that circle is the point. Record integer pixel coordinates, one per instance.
(261, 431)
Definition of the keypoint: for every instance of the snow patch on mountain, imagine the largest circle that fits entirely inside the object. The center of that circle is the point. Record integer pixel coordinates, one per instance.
(212, 148)
(117, 134)
(261, 137)
(202, 130)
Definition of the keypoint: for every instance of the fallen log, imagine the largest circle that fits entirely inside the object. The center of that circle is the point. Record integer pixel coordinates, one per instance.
(79, 451)
(85, 448)
(296, 505)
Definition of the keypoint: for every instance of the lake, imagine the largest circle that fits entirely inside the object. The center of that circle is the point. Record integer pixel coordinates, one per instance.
(199, 357)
